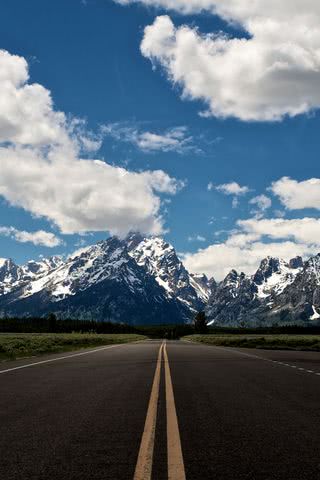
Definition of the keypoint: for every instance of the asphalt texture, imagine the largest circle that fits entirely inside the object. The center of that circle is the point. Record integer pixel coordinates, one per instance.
(241, 415)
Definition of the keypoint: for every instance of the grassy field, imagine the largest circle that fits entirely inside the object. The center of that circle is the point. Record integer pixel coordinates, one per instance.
(14, 346)
(276, 342)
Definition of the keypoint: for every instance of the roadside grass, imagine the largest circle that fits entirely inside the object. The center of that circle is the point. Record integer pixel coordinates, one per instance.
(273, 342)
(13, 346)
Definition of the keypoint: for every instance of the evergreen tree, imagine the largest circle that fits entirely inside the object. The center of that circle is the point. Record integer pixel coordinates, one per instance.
(200, 322)
(52, 322)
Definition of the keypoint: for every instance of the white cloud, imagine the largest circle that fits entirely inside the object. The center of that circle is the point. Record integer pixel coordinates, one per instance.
(296, 195)
(172, 140)
(217, 260)
(41, 169)
(233, 10)
(83, 195)
(254, 240)
(303, 230)
(279, 213)
(196, 238)
(262, 203)
(271, 72)
(232, 188)
(26, 113)
(40, 237)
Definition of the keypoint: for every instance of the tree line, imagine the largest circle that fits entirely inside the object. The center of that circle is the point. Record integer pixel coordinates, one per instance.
(52, 324)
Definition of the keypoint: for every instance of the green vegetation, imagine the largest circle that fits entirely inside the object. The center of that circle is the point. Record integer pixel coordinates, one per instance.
(53, 328)
(14, 346)
(275, 342)
(51, 324)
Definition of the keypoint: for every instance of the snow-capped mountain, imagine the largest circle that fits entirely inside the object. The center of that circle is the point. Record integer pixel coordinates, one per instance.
(231, 299)
(141, 280)
(160, 260)
(136, 280)
(13, 276)
(300, 300)
(279, 292)
(275, 275)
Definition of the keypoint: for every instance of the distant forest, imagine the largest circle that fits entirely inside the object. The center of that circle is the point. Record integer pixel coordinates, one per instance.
(51, 324)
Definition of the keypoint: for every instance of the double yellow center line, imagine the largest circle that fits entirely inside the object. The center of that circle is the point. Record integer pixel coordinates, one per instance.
(176, 469)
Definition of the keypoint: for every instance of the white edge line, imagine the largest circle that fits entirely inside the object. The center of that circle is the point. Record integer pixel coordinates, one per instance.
(234, 350)
(63, 358)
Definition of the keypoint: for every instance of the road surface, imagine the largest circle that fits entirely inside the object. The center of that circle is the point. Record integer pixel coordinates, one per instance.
(152, 411)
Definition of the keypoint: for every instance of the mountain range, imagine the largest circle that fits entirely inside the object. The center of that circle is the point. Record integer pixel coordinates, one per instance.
(141, 280)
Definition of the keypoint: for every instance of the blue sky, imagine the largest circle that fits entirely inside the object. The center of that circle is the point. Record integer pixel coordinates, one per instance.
(88, 55)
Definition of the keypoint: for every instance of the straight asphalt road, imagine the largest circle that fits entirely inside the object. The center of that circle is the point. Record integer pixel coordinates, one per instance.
(161, 411)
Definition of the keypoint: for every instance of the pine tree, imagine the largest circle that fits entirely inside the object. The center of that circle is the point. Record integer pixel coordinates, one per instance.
(200, 322)
(52, 322)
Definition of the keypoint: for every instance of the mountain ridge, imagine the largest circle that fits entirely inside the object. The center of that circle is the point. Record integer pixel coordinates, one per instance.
(142, 280)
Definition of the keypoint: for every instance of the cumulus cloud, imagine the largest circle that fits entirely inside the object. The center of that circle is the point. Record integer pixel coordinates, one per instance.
(303, 230)
(232, 188)
(172, 140)
(40, 237)
(296, 195)
(82, 195)
(253, 240)
(26, 114)
(232, 10)
(42, 171)
(217, 260)
(270, 72)
(261, 203)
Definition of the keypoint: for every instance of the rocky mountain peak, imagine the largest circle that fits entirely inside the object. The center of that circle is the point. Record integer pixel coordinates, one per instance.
(8, 270)
(9, 274)
(313, 262)
(142, 279)
(267, 268)
(233, 277)
(160, 259)
(132, 240)
(296, 262)
(139, 269)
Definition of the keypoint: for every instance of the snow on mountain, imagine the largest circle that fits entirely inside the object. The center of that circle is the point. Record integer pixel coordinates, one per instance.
(159, 258)
(42, 266)
(134, 271)
(13, 277)
(231, 299)
(300, 301)
(315, 315)
(140, 279)
(100, 282)
(96, 263)
(279, 292)
(9, 275)
(274, 275)
(312, 269)
(202, 285)
(2, 262)
(85, 268)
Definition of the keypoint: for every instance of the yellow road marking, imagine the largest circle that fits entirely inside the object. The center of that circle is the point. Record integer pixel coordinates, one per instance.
(176, 469)
(144, 463)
